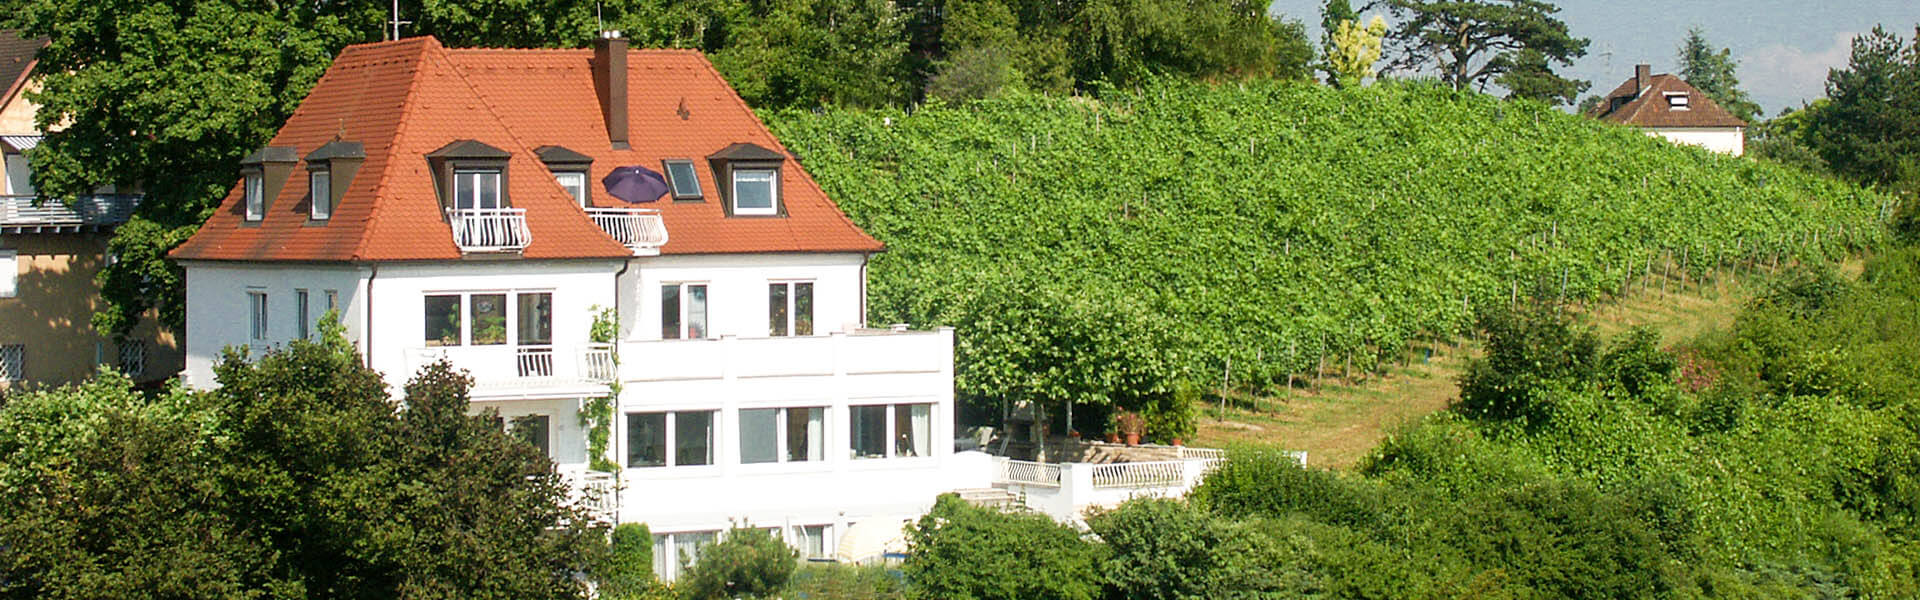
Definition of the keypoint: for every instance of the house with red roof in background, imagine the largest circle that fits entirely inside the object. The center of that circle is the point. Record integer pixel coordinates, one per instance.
(460, 205)
(1667, 106)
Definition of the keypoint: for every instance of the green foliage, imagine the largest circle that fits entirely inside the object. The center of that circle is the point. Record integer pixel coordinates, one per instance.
(834, 581)
(817, 52)
(1870, 129)
(628, 570)
(746, 563)
(1532, 355)
(1275, 225)
(1788, 139)
(1472, 42)
(1634, 365)
(596, 414)
(958, 551)
(1332, 14)
(1713, 74)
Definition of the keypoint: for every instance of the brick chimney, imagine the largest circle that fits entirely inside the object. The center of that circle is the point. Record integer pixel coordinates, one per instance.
(1642, 78)
(610, 83)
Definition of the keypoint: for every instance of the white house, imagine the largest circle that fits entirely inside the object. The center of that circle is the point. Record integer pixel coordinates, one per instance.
(449, 203)
(1665, 105)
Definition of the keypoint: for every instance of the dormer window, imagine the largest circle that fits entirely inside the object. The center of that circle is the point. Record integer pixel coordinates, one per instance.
(749, 178)
(1677, 101)
(320, 183)
(476, 188)
(256, 196)
(575, 183)
(756, 191)
(569, 169)
(680, 176)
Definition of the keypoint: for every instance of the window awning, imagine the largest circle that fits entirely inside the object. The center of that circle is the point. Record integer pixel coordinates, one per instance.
(19, 143)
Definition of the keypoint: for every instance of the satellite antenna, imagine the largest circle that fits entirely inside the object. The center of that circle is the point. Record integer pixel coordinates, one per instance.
(395, 22)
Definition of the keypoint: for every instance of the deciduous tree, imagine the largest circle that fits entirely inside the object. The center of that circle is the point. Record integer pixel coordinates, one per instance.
(1474, 42)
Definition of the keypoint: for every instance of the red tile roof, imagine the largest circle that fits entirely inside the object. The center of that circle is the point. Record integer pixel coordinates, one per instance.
(16, 62)
(1625, 106)
(406, 98)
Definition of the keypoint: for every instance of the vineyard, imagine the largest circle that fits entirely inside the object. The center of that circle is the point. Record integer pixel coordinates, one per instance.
(1112, 250)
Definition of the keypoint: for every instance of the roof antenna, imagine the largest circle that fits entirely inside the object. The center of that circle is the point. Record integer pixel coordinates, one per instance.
(598, 25)
(395, 22)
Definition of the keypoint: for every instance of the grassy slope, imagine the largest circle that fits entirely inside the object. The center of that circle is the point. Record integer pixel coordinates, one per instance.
(1163, 232)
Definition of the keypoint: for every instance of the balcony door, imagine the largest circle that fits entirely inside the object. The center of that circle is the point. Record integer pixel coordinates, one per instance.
(476, 189)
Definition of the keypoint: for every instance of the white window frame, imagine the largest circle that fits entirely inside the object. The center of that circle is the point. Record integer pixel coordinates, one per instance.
(254, 196)
(320, 184)
(466, 189)
(891, 435)
(131, 357)
(715, 441)
(257, 329)
(578, 189)
(666, 555)
(773, 191)
(9, 273)
(793, 291)
(302, 326)
(684, 298)
(1678, 101)
(511, 310)
(780, 423)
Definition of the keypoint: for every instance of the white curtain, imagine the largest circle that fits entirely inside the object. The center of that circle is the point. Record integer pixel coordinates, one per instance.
(922, 429)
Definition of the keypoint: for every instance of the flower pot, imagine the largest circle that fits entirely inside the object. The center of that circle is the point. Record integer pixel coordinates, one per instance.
(1176, 442)
(1113, 438)
(1133, 439)
(1073, 434)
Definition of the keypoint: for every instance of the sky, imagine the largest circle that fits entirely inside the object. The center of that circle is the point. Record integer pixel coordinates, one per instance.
(1784, 47)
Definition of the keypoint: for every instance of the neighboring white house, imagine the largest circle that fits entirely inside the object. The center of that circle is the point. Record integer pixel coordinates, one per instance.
(1669, 107)
(449, 203)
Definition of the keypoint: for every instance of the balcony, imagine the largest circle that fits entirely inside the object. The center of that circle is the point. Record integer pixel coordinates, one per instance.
(90, 213)
(865, 354)
(489, 229)
(639, 229)
(508, 372)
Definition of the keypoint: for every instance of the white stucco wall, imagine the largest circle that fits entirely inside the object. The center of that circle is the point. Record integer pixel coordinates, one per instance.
(217, 306)
(1728, 140)
(737, 290)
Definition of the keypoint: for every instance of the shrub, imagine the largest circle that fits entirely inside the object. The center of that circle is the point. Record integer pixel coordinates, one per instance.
(963, 552)
(1157, 548)
(1634, 363)
(1562, 541)
(629, 567)
(1528, 352)
(748, 563)
(835, 581)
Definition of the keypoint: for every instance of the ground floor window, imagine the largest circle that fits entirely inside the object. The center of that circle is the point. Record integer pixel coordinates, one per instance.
(688, 434)
(257, 315)
(782, 435)
(533, 429)
(810, 540)
(13, 362)
(890, 430)
(673, 553)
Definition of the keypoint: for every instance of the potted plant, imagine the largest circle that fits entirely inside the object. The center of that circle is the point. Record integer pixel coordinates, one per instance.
(1132, 426)
(1113, 428)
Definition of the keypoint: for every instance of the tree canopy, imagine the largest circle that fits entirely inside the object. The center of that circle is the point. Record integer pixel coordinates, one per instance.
(1870, 128)
(1475, 42)
(1712, 72)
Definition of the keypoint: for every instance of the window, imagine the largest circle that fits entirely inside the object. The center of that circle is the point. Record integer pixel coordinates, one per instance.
(755, 192)
(9, 273)
(575, 183)
(333, 300)
(300, 314)
(790, 308)
(255, 196)
(488, 324)
(909, 426)
(683, 311)
(680, 176)
(321, 184)
(689, 434)
(476, 189)
(133, 357)
(1677, 100)
(257, 315)
(487, 319)
(782, 435)
(535, 322)
(13, 362)
(810, 540)
(532, 429)
(674, 552)
(443, 320)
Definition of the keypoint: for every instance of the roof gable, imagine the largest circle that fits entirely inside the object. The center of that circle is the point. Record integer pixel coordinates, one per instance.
(17, 56)
(1627, 105)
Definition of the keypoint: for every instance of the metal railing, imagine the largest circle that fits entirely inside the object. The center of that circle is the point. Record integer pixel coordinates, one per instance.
(635, 228)
(1168, 473)
(95, 210)
(520, 366)
(489, 229)
(1207, 453)
(596, 363)
(533, 361)
(599, 493)
(1029, 473)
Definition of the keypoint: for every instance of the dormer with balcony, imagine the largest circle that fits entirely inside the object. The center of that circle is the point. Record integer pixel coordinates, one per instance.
(471, 178)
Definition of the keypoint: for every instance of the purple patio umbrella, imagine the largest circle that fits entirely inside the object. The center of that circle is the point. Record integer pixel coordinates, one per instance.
(635, 184)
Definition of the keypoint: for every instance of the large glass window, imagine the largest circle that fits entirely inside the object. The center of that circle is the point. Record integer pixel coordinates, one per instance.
(688, 546)
(255, 196)
(488, 325)
(690, 435)
(810, 540)
(790, 308)
(755, 192)
(908, 426)
(476, 189)
(683, 311)
(443, 320)
(782, 435)
(321, 184)
(536, 319)
(532, 429)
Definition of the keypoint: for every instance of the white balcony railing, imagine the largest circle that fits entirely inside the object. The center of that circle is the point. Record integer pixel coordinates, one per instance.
(599, 494)
(865, 353)
(489, 229)
(1169, 473)
(639, 229)
(521, 367)
(18, 214)
(1029, 473)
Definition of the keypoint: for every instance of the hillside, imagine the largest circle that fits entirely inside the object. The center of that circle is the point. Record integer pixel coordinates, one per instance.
(1090, 250)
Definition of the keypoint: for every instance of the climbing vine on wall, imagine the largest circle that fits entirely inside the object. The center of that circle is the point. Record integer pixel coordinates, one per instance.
(596, 414)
